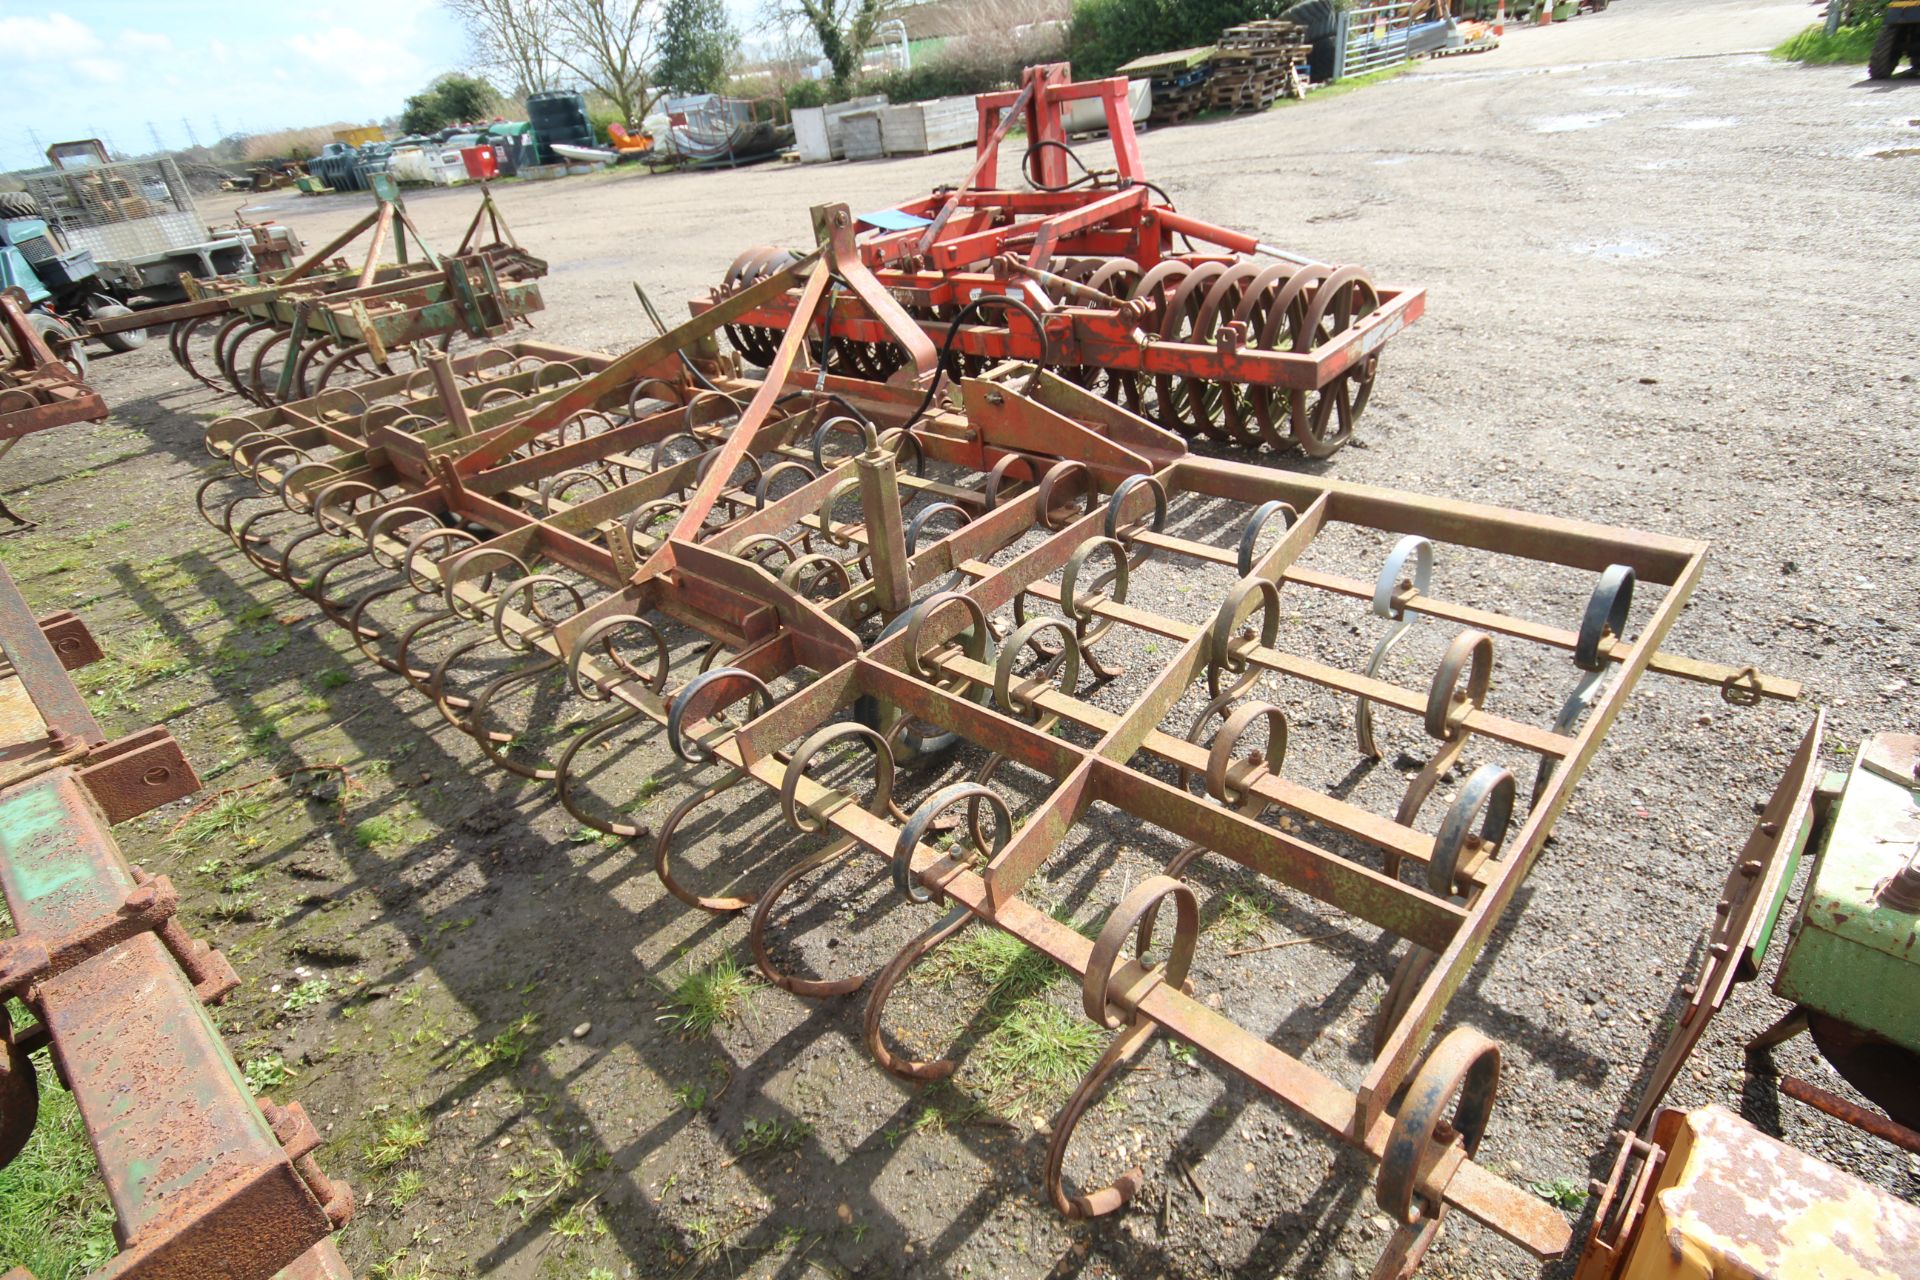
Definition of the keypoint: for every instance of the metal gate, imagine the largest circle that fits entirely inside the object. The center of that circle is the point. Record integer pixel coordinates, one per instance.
(1372, 38)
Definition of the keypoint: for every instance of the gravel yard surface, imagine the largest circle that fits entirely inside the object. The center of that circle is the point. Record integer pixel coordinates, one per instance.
(1665, 292)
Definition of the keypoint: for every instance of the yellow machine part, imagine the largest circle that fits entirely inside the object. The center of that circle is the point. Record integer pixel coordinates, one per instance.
(1730, 1202)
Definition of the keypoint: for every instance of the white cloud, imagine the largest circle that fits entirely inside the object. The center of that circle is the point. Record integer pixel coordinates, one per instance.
(358, 56)
(99, 70)
(143, 44)
(54, 38)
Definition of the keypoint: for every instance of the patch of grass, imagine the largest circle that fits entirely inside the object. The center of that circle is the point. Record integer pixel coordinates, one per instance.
(650, 787)
(1238, 917)
(150, 659)
(945, 1108)
(409, 1184)
(508, 1047)
(269, 1071)
(691, 1096)
(309, 993)
(225, 819)
(235, 906)
(244, 881)
(333, 679)
(578, 1222)
(1036, 1046)
(765, 1137)
(549, 1177)
(1816, 48)
(54, 1217)
(708, 997)
(1563, 1193)
(397, 1139)
(378, 832)
(1011, 970)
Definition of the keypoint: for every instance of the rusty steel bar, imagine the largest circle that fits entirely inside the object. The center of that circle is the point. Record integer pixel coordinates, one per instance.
(203, 1181)
(1865, 1119)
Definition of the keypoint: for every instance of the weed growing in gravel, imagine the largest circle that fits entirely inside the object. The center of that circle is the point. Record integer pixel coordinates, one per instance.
(650, 787)
(1563, 1193)
(766, 1137)
(1035, 1046)
(309, 993)
(1011, 970)
(267, 1072)
(691, 1096)
(1238, 917)
(398, 1138)
(149, 660)
(508, 1047)
(550, 1176)
(54, 1216)
(334, 679)
(225, 819)
(577, 1222)
(708, 997)
(378, 832)
(409, 1184)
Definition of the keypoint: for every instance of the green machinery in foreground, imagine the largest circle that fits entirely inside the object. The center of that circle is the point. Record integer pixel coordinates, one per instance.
(1852, 966)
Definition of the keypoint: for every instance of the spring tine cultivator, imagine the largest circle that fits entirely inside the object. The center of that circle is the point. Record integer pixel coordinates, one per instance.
(776, 578)
(38, 391)
(277, 335)
(1206, 331)
(203, 1180)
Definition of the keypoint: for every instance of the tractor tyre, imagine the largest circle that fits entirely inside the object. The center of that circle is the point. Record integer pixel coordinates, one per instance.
(1887, 48)
(126, 339)
(18, 204)
(61, 340)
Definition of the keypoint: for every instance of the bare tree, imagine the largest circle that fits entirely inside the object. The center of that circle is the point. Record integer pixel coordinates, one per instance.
(610, 45)
(512, 40)
(843, 28)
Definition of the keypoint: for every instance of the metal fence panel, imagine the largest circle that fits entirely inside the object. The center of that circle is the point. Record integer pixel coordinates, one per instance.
(1373, 37)
(120, 211)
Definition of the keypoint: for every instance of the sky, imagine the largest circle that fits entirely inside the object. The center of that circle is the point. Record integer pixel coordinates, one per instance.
(198, 69)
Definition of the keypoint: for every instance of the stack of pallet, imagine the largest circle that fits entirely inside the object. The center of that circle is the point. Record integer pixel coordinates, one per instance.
(1255, 64)
(1179, 82)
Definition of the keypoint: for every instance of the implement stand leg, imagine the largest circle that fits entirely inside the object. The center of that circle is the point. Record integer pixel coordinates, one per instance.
(1780, 1032)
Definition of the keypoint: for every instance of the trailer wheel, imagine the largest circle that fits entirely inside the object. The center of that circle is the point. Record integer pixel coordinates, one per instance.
(126, 339)
(62, 341)
(1887, 48)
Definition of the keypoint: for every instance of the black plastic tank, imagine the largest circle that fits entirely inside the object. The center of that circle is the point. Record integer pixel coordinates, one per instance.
(558, 116)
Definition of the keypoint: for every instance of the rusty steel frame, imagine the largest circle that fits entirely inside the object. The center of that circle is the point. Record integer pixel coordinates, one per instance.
(1206, 341)
(457, 486)
(37, 390)
(322, 318)
(203, 1180)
